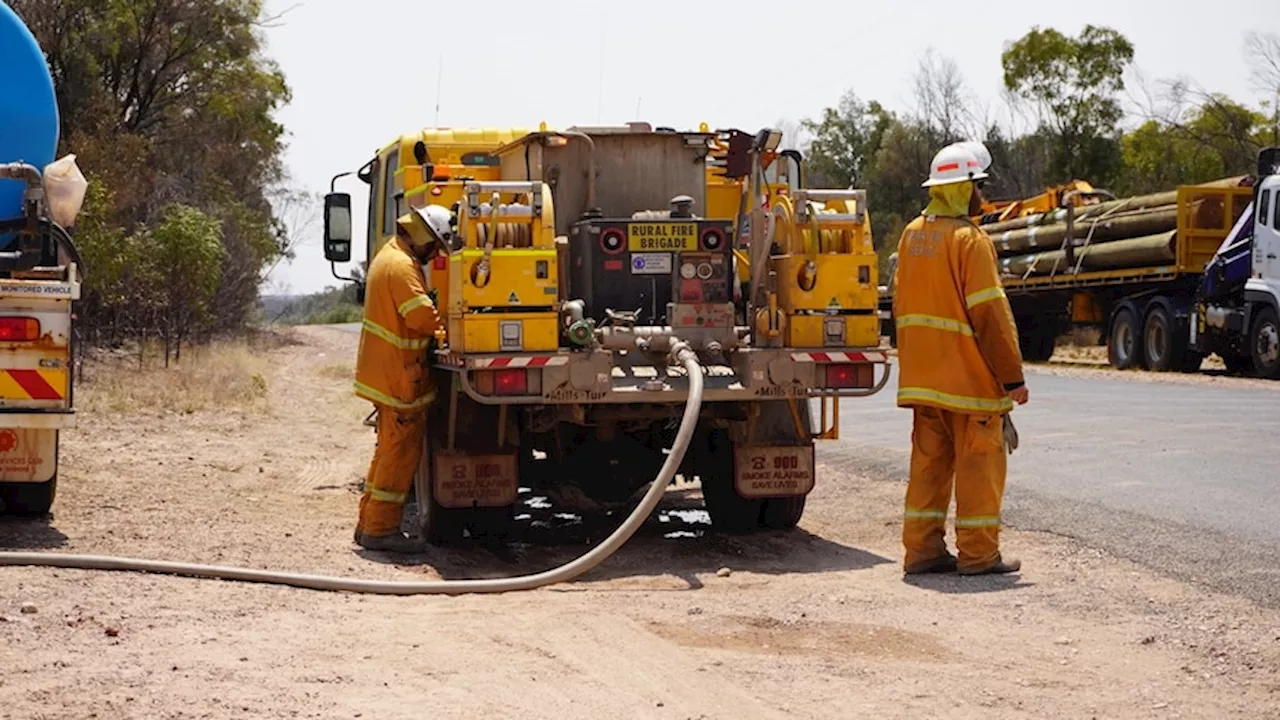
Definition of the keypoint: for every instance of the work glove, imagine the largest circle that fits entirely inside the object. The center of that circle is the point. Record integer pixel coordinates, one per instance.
(1010, 435)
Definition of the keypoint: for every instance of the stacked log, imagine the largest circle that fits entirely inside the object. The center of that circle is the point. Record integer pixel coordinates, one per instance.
(1102, 229)
(1157, 249)
(1123, 233)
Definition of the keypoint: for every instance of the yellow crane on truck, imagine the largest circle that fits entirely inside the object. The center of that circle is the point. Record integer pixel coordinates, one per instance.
(581, 289)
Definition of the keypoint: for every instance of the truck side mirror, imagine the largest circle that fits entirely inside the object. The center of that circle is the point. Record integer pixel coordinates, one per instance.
(337, 227)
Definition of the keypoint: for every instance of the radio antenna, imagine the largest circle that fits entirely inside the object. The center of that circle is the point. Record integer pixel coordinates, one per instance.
(439, 81)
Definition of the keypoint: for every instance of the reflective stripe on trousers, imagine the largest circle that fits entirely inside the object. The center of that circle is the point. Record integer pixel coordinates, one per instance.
(966, 453)
(395, 462)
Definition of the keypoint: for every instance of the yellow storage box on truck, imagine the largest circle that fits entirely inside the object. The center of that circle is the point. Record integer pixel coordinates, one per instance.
(579, 273)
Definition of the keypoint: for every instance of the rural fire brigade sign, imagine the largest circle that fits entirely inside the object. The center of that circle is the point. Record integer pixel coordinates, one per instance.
(662, 237)
(778, 471)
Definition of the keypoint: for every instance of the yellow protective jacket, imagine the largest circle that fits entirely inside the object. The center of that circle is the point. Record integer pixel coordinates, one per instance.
(399, 322)
(957, 342)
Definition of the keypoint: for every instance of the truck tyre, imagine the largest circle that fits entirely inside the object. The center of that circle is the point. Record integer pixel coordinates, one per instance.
(437, 525)
(1264, 343)
(730, 512)
(448, 526)
(776, 424)
(1158, 342)
(29, 499)
(1124, 350)
(783, 513)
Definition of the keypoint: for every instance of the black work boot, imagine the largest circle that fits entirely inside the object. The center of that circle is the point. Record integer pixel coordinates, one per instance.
(936, 566)
(394, 543)
(1002, 567)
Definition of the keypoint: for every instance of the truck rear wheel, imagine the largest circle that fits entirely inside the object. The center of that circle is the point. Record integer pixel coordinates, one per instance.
(730, 512)
(782, 513)
(1264, 343)
(448, 526)
(1158, 341)
(29, 499)
(1123, 349)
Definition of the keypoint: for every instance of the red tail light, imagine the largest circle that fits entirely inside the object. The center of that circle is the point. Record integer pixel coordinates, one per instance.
(849, 375)
(19, 329)
(510, 382)
(440, 263)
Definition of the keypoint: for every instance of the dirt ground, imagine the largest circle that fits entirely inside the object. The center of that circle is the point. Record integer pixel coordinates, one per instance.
(815, 623)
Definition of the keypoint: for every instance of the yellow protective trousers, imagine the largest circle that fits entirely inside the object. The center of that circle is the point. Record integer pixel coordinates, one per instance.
(967, 451)
(395, 461)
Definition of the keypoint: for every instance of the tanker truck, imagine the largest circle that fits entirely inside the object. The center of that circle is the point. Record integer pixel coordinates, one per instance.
(39, 275)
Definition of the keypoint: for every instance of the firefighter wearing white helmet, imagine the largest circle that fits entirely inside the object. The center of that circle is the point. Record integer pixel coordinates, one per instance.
(957, 163)
(960, 372)
(391, 371)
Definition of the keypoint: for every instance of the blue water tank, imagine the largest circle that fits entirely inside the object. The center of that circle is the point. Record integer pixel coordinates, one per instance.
(28, 108)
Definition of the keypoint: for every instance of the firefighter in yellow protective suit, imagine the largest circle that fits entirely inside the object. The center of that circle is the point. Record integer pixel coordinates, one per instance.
(960, 371)
(399, 322)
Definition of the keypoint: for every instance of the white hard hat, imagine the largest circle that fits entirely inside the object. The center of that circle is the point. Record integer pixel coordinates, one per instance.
(954, 164)
(422, 226)
(979, 151)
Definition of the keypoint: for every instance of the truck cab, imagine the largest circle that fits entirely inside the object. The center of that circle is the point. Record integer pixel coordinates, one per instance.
(1238, 308)
(1266, 234)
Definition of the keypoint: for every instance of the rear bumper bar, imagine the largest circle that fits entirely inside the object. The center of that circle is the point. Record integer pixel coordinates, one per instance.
(38, 420)
(601, 377)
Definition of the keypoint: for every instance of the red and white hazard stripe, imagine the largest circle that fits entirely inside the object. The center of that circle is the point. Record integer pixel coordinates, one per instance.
(520, 361)
(839, 357)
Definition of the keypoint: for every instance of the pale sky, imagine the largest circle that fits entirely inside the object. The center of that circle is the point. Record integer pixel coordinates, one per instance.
(364, 72)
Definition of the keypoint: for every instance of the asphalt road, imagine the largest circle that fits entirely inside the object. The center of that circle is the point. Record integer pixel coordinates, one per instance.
(1183, 478)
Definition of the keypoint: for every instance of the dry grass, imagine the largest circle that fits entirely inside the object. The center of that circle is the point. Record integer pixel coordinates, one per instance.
(337, 371)
(228, 376)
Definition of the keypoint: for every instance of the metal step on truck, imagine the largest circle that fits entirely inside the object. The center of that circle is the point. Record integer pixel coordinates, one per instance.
(577, 272)
(1163, 280)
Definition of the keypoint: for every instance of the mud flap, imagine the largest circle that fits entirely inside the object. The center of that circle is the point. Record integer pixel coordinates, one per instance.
(28, 455)
(466, 481)
(773, 471)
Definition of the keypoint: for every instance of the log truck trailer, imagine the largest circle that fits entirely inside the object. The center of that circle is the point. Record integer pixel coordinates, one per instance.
(1163, 302)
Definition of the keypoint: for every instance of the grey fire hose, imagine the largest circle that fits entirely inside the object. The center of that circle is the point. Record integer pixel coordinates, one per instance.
(688, 422)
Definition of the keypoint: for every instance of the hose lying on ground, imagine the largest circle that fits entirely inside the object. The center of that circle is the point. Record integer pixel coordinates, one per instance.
(688, 422)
